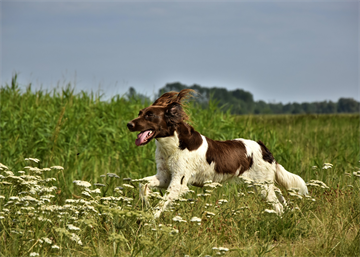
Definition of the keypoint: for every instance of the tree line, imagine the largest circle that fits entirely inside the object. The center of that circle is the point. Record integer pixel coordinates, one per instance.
(240, 101)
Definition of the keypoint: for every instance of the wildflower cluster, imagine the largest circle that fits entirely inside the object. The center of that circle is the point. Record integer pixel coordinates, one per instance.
(317, 183)
(28, 199)
(327, 166)
(111, 211)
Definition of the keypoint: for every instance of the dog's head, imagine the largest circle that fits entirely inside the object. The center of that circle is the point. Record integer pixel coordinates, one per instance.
(161, 118)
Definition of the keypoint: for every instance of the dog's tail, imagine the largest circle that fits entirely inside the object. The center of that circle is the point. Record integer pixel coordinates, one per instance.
(290, 180)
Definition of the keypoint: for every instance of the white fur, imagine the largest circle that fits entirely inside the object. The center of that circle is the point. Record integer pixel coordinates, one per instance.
(177, 168)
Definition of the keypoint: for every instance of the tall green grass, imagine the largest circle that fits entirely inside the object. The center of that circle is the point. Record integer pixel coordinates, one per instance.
(89, 138)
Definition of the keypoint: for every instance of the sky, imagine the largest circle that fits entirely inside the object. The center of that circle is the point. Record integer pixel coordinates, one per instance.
(280, 51)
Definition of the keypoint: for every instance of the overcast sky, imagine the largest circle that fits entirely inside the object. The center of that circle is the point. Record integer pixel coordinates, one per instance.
(280, 51)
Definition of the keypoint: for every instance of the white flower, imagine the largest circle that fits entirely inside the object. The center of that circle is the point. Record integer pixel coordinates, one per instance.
(86, 194)
(195, 219)
(72, 227)
(34, 254)
(138, 180)
(327, 166)
(295, 194)
(9, 173)
(5, 183)
(221, 201)
(212, 184)
(356, 173)
(28, 198)
(117, 189)
(178, 219)
(57, 167)
(207, 213)
(44, 219)
(27, 208)
(128, 186)
(47, 196)
(223, 249)
(55, 247)
(3, 166)
(32, 159)
(204, 195)
(34, 169)
(112, 175)
(99, 185)
(269, 211)
(96, 191)
(75, 238)
(21, 172)
(50, 179)
(317, 183)
(82, 183)
(174, 231)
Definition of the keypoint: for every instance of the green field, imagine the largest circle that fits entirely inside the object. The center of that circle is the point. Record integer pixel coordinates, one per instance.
(48, 214)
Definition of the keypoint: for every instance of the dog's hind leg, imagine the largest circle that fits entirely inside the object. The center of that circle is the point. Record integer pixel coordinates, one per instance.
(269, 194)
(280, 196)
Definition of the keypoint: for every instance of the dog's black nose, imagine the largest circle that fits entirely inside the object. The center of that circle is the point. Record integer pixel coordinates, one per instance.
(130, 125)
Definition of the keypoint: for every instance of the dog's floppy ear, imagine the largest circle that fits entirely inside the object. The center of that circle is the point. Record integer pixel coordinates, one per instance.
(174, 113)
(171, 97)
(165, 99)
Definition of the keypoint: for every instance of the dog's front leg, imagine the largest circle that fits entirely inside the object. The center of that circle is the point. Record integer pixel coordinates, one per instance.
(152, 181)
(177, 187)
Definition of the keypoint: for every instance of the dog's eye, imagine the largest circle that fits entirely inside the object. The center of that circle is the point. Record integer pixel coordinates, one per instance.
(148, 115)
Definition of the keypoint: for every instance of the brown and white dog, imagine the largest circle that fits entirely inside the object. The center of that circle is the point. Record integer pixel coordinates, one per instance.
(185, 157)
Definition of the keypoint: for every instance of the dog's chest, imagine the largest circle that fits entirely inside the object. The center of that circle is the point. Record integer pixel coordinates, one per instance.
(171, 158)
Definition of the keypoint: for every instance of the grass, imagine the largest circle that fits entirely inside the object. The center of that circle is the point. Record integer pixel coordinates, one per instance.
(89, 139)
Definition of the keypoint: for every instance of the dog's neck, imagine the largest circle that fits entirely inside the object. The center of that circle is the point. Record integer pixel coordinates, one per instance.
(168, 144)
(184, 137)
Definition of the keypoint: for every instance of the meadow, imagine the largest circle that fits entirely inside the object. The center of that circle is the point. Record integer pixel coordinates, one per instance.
(68, 160)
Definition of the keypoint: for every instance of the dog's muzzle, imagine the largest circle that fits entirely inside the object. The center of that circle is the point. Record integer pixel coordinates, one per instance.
(131, 126)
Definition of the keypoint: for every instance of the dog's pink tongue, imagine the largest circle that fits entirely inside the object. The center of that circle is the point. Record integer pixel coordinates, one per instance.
(141, 138)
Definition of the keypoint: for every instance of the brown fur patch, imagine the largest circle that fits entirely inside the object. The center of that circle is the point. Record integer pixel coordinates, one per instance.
(228, 156)
(267, 156)
(188, 137)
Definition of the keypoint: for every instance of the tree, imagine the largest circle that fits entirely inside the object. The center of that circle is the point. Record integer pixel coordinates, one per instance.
(347, 105)
(242, 102)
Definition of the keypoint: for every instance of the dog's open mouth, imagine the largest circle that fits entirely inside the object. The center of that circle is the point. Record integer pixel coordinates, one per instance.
(144, 137)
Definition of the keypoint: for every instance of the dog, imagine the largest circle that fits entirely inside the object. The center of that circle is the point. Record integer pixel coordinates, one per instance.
(185, 157)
